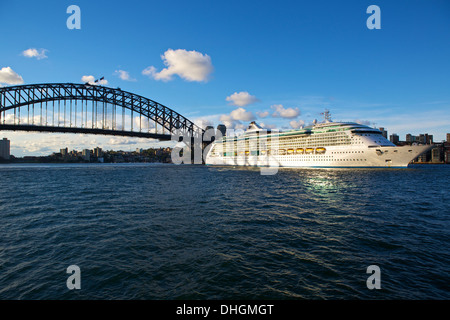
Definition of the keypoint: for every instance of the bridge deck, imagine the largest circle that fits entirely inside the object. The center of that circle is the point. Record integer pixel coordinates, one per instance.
(35, 128)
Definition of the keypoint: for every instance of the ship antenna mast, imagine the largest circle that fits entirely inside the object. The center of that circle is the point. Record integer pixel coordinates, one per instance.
(326, 115)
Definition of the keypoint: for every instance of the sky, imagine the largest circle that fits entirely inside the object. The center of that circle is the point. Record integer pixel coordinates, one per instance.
(279, 63)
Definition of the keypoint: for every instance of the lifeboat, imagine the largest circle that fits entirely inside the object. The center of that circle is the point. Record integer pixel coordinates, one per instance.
(290, 151)
(300, 151)
(281, 152)
(309, 150)
(320, 150)
(247, 152)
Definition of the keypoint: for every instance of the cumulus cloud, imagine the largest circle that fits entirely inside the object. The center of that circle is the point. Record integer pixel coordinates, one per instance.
(91, 81)
(227, 120)
(263, 114)
(143, 123)
(233, 120)
(288, 113)
(188, 65)
(124, 75)
(241, 99)
(35, 53)
(8, 76)
(231, 123)
(203, 122)
(297, 124)
(242, 115)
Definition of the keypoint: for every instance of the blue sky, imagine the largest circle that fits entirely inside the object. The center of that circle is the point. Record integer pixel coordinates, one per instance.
(286, 60)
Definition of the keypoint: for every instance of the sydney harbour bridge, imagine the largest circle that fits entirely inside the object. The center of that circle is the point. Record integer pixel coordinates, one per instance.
(92, 109)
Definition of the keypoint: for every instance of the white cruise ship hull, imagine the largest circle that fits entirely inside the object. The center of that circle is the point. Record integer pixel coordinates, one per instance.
(342, 157)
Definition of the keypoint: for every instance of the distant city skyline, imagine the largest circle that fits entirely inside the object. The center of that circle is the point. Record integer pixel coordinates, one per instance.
(278, 63)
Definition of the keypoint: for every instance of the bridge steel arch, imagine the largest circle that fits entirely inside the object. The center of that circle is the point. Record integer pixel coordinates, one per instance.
(14, 98)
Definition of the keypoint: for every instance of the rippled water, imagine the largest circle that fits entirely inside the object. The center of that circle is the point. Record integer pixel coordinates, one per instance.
(155, 231)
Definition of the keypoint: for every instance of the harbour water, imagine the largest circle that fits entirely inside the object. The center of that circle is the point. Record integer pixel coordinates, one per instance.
(161, 231)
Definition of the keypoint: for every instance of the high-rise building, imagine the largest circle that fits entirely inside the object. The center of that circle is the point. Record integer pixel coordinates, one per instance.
(64, 152)
(5, 149)
(448, 137)
(98, 152)
(422, 139)
(410, 138)
(383, 132)
(86, 154)
(394, 138)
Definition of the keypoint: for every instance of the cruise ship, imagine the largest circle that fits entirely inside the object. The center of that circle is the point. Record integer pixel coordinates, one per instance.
(324, 144)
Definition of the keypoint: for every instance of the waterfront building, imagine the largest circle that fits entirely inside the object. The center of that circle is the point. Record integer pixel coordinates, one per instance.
(394, 138)
(410, 138)
(421, 138)
(98, 153)
(5, 149)
(436, 154)
(383, 132)
(64, 152)
(86, 154)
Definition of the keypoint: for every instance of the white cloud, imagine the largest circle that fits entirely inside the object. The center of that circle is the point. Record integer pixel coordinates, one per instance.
(282, 112)
(8, 76)
(267, 125)
(364, 122)
(35, 53)
(263, 114)
(229, 122)
(296, 124)
(91, 80)
(188, 65)
(233, 120)
(203, 122)
(124, 75)
(242, 115)
(143, 123)
(241, 99)
(151, 72)
(119, 141)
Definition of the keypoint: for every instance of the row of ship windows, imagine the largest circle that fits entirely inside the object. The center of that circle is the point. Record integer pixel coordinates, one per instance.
(220, 150)
(268, 146)
(340, 152)
(311, 159)
(289, 143)
(320, 159)
(300, 139)
(307, 158)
